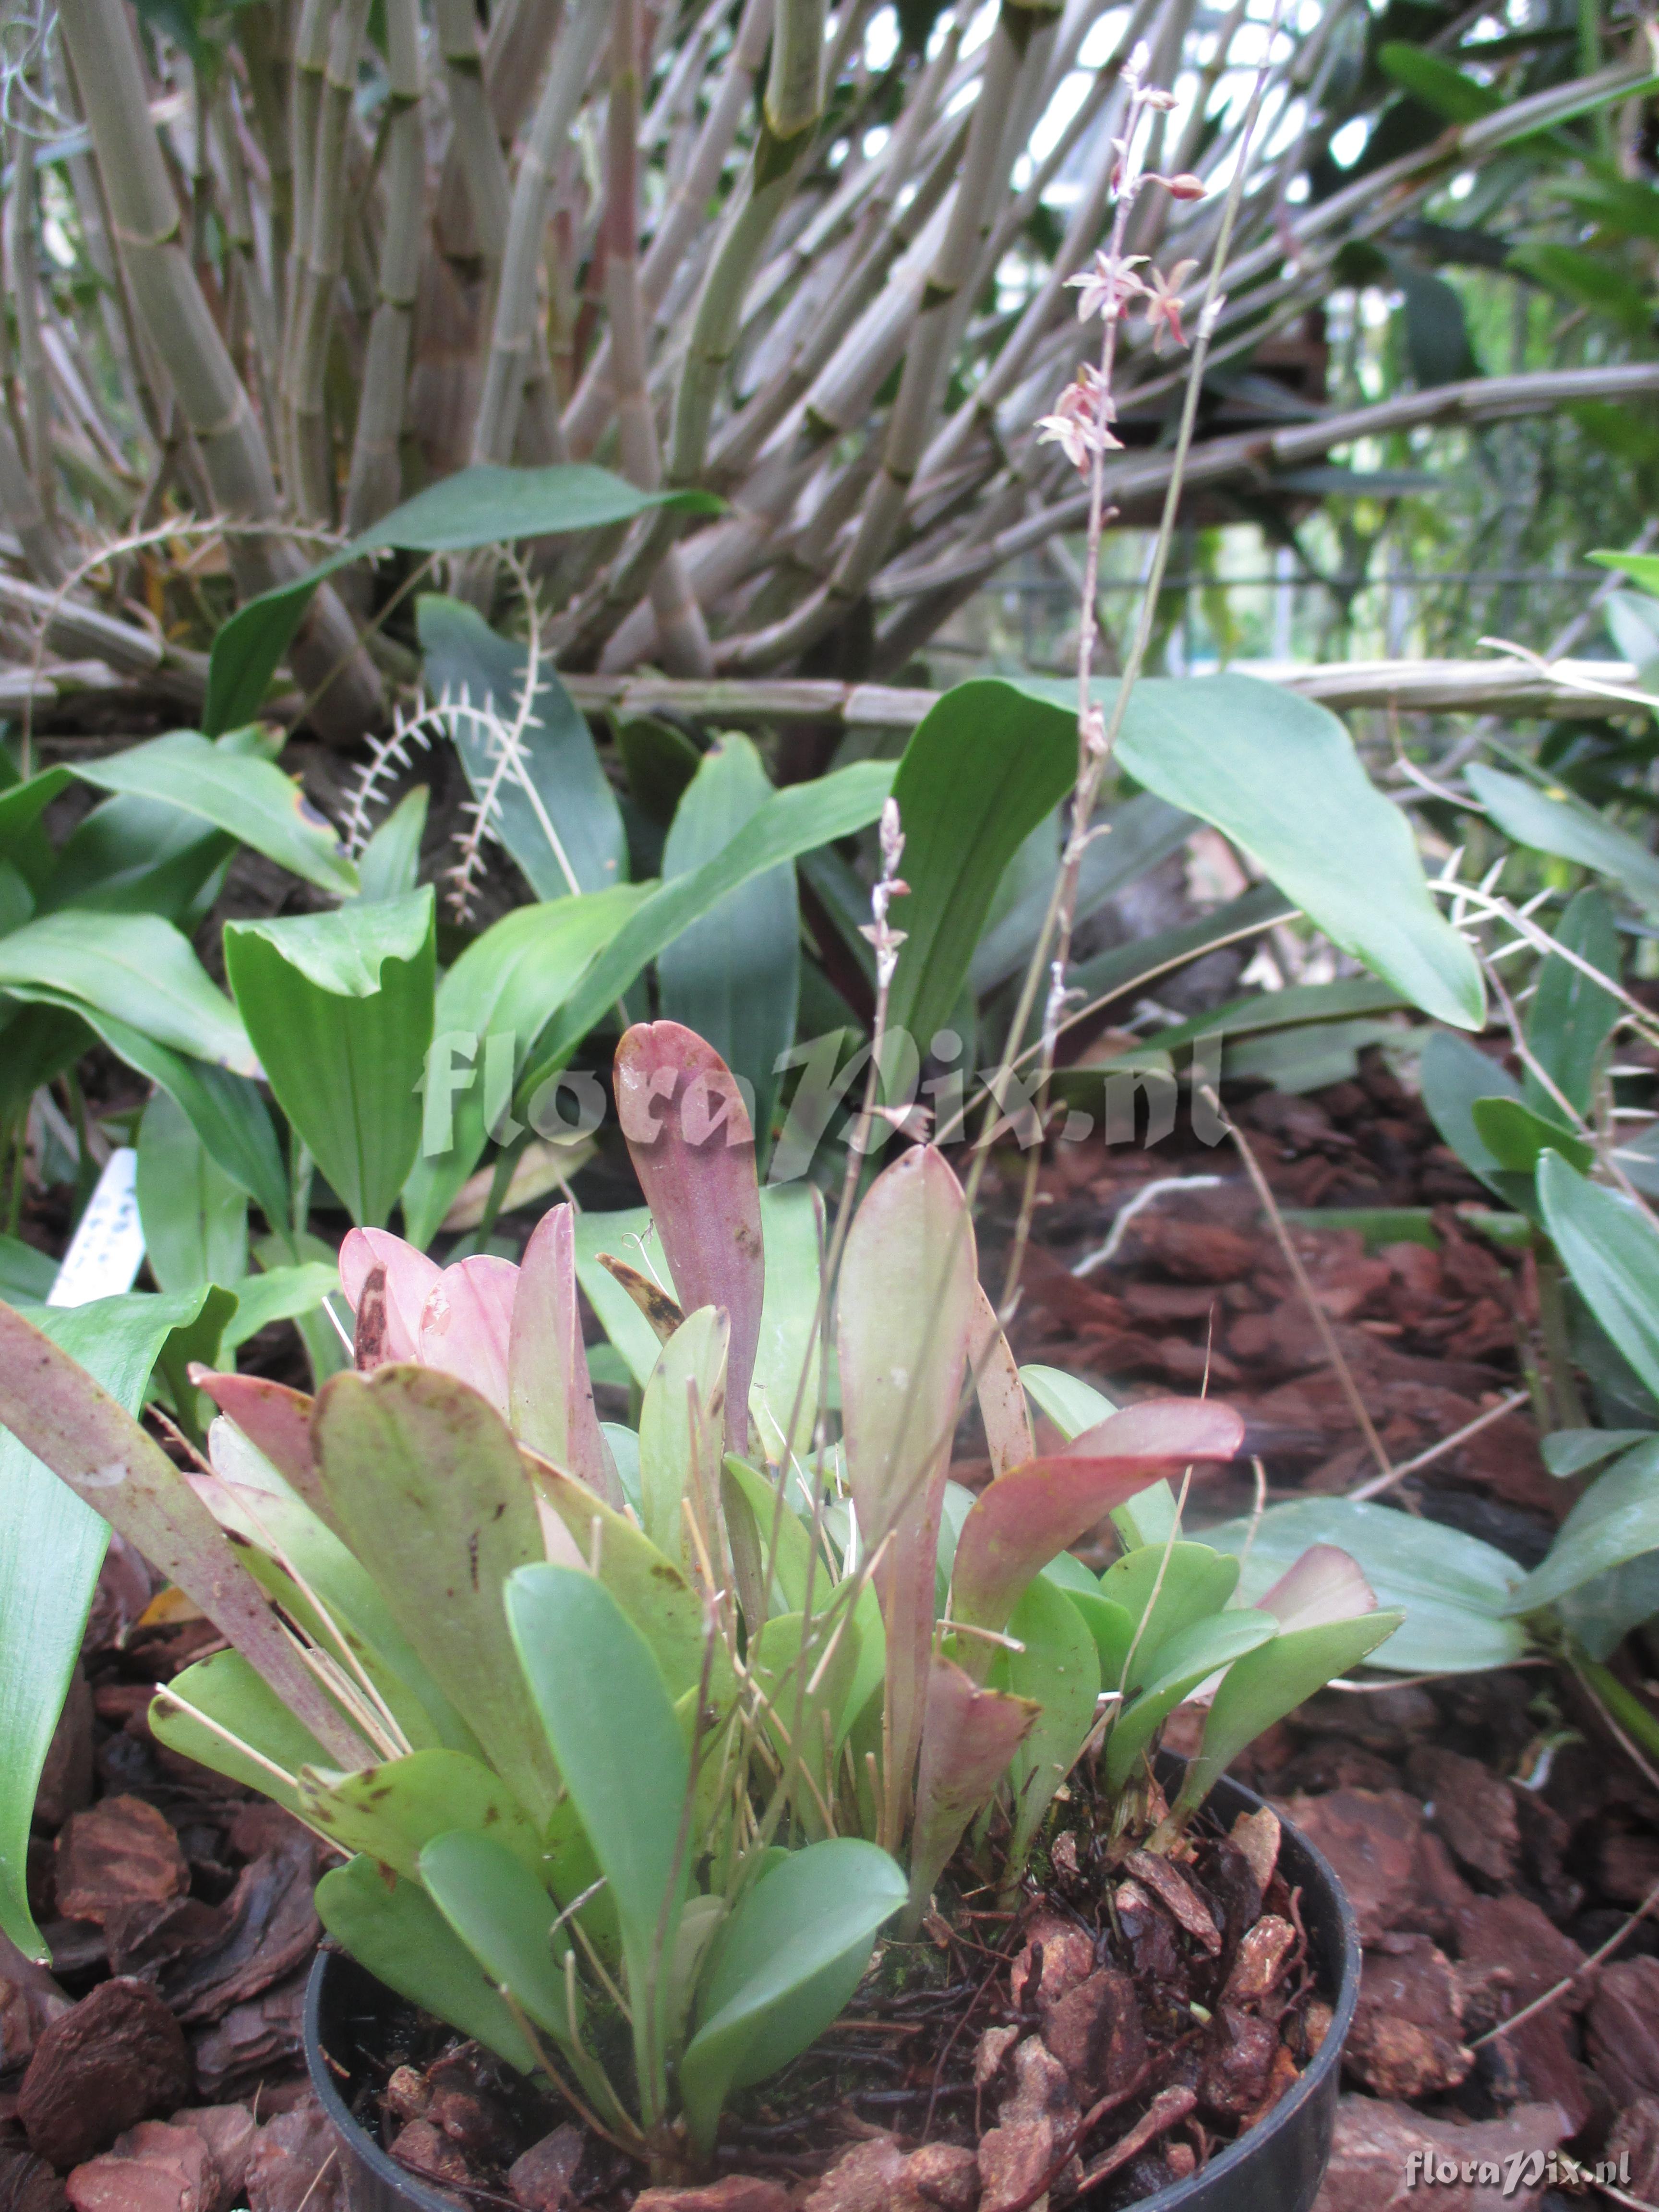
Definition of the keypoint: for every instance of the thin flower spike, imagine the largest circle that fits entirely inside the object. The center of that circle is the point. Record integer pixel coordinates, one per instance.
(904, 1313)
(1325, 1584)
(1026, 1518)
(410, 1278)
(467, 1323)
(549, 1390)
(92, 1444)
(970, 1736)
(693, 1148)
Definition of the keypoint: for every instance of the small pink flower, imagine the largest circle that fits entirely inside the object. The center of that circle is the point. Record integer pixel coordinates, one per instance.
(1105, 289)
(1077, 425)
(1163, 308)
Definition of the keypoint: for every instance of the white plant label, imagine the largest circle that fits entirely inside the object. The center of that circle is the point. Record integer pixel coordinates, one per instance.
(107, 1249)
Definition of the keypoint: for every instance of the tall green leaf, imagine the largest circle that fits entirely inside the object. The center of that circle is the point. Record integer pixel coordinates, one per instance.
(136, 968)
(622, 1757)
(1571, 1017)
(1554, 822)
(340, 1007)
(1615, 1521)
(1279, 776)
(427, 1488)
(792, 822)
(194, 1215)
(1610, 1248)
(480, 506)
(734, 976)
(248, 798)
(507, 984)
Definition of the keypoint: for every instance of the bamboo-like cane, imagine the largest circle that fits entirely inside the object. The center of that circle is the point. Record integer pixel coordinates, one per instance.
(104, 52)
(516, 293)
(25, 303)
(375, 483)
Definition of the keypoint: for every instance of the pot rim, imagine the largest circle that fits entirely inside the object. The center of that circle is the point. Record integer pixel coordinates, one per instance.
(1258, 2142)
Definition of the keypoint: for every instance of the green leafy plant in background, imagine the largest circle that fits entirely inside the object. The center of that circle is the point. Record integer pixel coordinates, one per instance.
(641, 1737)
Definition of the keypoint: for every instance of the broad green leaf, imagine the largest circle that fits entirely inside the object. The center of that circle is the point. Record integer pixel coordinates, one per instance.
(389, 865)
(279, 1294)
(620, 1749)
(392, 1811)
(341, 1006)
(244, 1731)
(1431, 79)
(1455, 1074)
(648, 1586)
(38, 1042)
(905, 1310)
(506, 1918)
(734, 975)
(784, 1966)
(1127, 971)
(194, 1216)
(792, 822)
(1553, 821)
(51, 1546)
(21, 807)
(1183, 1662)
(507, 985)
(1058, 1670)
(1576, 1451)
(1642, 568)
(1277, 1010)
(226, 1111)
(1517, 1137)
(394, 1930)
(138, 856)
(27, 1275)
(681, 1429)
(428, 1490)
(1452, 1588)
(816, 1719)
(1588, 280)
(1615, 1521)
(297, 1558)
(1193, 1583)
(135, 968)
(791, 1230)
(237, 792)
(1135, 837)
(1278, 774)
(1072, 1406)
(1600, 1613)
(1570, 1017)
(480, 506)
(1272, 1680)
(553, 808)
(1113, 1627)
(1610, 1248)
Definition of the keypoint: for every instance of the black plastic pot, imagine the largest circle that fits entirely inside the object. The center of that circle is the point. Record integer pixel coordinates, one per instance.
(1277, 2167)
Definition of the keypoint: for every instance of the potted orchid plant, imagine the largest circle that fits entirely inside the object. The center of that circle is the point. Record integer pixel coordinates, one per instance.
(641, 1743)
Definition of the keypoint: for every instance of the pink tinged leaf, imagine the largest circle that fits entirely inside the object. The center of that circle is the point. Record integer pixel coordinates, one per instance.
(1002, 1406)
(1027, 1517)
(904, 1313)
(53, 1408)
(275, 1421)
(410, 1278)
(1324, 1585)
(549, 1390)
(466, 1324)
(693, 1149)
(969, 1737)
